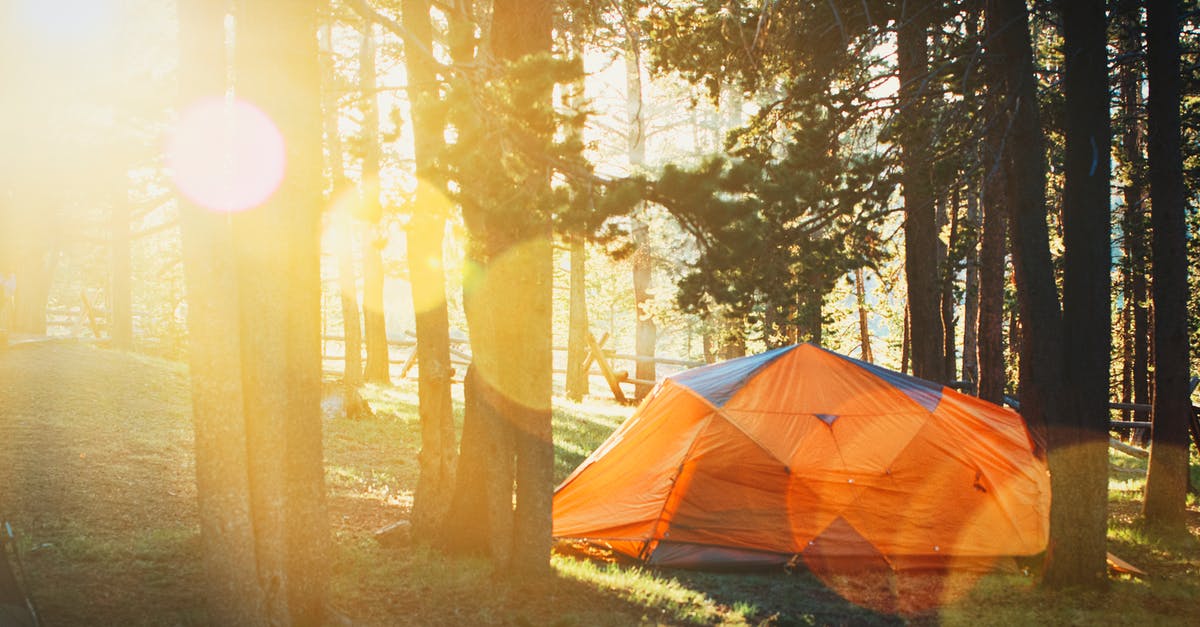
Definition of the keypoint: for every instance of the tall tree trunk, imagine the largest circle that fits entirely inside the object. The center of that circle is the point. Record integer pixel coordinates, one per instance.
(948, 264)
(1078, 439)
(521, 28)
(970, 363)
(278, 246)
(905, 342)
(480, 519)
(642, 261)
(231, 585)
(811, 313)
(374, 238)
(1041, 353)
(1165, 506)
(646, 330)
(1134, 224)
(864, 330)
(577, 377)
(508, 304)
(347, 280)
(35, 273)
(120, 313)
(426, 232)
(993, 376)
(920, 234)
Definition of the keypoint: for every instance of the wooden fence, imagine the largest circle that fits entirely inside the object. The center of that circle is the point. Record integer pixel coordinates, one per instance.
(603, 367)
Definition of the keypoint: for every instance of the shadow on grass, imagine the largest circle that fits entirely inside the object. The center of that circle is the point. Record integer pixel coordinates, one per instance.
(782, 598)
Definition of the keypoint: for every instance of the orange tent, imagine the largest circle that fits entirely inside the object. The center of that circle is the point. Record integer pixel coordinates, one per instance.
(802, 453)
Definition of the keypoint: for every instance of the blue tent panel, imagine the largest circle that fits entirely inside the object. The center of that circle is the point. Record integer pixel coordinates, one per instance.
(719, 382)
(927, 394)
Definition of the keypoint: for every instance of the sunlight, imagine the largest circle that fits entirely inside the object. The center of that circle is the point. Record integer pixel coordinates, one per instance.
(226, 156)
(66, 20)
(500, 281)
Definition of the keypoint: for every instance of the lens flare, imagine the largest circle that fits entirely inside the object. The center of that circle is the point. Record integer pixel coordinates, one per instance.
(226, 156)
(67, 19)
(507, 277)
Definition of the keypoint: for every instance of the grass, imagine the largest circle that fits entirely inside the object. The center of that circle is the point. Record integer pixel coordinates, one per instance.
(98, 480)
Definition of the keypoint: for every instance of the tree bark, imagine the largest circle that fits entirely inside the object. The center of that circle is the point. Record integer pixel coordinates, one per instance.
(352, 368)
(120, 314)
(426, 232)
(374, 239)
(1133, 222)
(1165, 506)
(35, 272)
(864, 330)
(278, 248)
(508, 300)
(646, 330)
(1078, 437)
(229, 554)
(949, 214)
(1040, 377)
(480, 520)
(519, 29)
(993, 376)
(646, 333)
(577, 377)
(970, 359)
(920, 236)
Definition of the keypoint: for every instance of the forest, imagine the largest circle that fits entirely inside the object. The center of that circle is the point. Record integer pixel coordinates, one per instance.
(311, 311)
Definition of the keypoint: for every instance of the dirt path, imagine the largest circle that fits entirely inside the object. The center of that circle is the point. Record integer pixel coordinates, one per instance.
(96, 477)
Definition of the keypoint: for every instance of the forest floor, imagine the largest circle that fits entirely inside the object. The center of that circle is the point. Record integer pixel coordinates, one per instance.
(97, 478)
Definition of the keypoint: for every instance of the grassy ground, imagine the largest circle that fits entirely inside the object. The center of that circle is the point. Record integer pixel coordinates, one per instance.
(96, 475)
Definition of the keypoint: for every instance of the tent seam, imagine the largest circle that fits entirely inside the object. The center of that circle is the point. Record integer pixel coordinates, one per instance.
(720, 411)
(674, 481)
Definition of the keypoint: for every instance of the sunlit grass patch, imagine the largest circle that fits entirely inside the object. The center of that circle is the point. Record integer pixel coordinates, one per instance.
(660, 594)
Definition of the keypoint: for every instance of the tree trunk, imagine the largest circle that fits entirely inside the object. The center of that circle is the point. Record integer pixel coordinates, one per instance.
(347, 280)
(811, 316)
(993, 376)
(646, 333)
(920, 235)
(642, 260)
(1078, 439)
(229, 554)
(577, 377)
(278, 247)
(970, 363)
(1134, 224)
(522, 28)
(480, 520)
(374, 238)
(120, 311)
(426, 232)
(1165, 507)
(949, 213)
(508, 305)
(864, 330)
(1040, 376)
(35, 273)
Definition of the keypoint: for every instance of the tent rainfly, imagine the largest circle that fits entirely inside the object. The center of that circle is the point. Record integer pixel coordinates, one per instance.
(802, 454)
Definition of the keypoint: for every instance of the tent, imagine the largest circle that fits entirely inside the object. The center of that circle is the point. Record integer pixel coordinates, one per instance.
(802, 454)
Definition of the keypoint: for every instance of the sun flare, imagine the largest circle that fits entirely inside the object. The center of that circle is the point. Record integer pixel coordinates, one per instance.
(226, 156)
